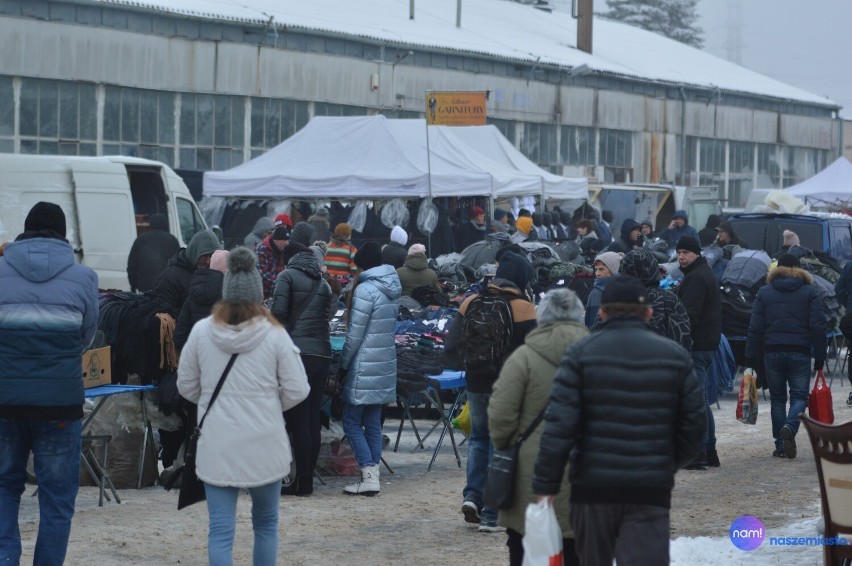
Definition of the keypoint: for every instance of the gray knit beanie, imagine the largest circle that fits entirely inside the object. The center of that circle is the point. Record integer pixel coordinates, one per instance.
(302, 233)
(242, 281)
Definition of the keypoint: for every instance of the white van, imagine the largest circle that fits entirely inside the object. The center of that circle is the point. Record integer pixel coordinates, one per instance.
(107, 202)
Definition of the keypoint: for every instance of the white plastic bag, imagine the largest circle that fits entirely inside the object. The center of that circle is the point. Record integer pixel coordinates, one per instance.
(358, 217)
(427, 217)
(543, 538)
(395, 213)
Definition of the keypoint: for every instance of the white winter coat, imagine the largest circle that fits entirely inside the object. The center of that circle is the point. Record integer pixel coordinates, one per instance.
(243, 442)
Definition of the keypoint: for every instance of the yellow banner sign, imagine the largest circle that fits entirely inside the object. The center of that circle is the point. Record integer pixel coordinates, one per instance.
(455, 108)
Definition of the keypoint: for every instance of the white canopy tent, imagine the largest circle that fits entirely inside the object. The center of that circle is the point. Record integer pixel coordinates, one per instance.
(373, 157)
(832, 185)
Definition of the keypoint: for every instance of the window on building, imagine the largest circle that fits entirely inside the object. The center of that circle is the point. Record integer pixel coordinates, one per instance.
(273, 121)
(538, 143)
(506, 127)
(768, 166)
(212, 131)
(740, 173)
(139, 123)
(7, 109)
(800, 163)
(578, 145)
(711, 155)
(615, 154)
(56, 117)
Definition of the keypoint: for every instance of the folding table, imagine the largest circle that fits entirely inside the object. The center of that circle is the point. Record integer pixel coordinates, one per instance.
(101, 393)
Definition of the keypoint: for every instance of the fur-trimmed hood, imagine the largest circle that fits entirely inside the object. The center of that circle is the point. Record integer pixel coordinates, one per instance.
(794, 272)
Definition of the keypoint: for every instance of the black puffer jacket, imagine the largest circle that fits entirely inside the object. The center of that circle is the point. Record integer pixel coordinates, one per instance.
(149, 255)
(172, 287)
(699, 293)
(294, 284)
(394, 254)
(205, 288)
(627, 421)
(624, 244)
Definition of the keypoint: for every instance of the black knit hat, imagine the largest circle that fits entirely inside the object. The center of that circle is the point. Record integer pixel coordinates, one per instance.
(689, 244)
(46, 216)
(281, 233)
(624, 290)
(788, 260)
(369, 256)
(302, 233)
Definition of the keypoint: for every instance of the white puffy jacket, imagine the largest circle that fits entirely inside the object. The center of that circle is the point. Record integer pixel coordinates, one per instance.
(244, 442)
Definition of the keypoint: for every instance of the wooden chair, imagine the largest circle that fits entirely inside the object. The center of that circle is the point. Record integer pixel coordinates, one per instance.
(832, 446)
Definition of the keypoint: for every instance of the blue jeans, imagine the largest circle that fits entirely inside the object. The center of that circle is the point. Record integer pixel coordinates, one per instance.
(363, 427)
(56, 455)
(783, 369)
(479, 451)
(701, 362)
(222, 510)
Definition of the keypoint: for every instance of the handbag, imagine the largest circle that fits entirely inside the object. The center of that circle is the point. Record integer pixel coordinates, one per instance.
(500, 483)
(820, 406)
(335, 381)
(747, 399)
(192, 488)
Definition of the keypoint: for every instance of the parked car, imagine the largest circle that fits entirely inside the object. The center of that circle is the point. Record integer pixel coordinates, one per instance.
(828, 233)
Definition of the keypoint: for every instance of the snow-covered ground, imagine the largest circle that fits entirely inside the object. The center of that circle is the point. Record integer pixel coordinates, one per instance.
(701, 551)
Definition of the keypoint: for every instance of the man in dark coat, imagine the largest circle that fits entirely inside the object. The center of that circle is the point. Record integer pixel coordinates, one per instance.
(628, 411)
(678, 228)
(699, 293)
(172, 287)
(514, 273)
(669, 317)
(150, 254)
(630, 237)
(707, 235)
(787, 324)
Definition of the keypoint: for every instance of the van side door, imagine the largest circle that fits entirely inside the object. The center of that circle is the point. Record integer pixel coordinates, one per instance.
(105, 227)
(189, 219)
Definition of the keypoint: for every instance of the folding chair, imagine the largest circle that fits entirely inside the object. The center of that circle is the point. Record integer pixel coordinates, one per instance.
(429, 388)
(832, 445)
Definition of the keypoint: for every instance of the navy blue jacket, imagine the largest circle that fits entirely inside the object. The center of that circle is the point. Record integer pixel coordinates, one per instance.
(787, 316)
(48, 316)
(844, 286)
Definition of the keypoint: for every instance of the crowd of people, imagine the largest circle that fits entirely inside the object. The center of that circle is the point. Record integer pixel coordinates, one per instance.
(252, 331)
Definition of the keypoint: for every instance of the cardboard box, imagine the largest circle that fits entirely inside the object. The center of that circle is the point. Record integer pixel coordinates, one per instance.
(97, 368)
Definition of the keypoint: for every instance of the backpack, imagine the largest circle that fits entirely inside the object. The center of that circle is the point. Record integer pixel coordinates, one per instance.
(737, 304)
(487, 334)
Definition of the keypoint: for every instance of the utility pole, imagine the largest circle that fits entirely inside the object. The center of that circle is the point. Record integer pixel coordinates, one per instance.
(585, 12)
(735, 32)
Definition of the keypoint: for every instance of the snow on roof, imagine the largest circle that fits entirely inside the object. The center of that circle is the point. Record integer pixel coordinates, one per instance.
(498, 28)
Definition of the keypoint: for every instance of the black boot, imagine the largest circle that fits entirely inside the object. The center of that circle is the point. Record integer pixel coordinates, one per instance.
(300, 487)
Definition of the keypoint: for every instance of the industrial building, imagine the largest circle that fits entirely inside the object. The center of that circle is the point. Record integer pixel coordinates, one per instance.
(209, 85)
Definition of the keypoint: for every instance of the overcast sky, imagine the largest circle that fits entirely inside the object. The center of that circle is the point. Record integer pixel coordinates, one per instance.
(806, 43)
